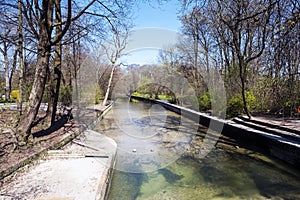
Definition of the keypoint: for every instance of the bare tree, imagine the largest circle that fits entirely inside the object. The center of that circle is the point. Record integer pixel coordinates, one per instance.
(20, 54)
(247, 23)
(40, 18)
(236, 30)
(113, 52)
(55, 79)
(4, 52)
(7, 53)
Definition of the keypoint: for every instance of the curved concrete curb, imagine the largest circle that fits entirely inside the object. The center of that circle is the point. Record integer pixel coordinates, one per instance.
(104, 185)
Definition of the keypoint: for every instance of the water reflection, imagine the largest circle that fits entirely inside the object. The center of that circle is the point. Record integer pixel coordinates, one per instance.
(148, 136)
(226, 172)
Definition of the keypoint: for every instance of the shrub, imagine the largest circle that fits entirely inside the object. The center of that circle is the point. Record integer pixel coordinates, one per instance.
(65, 94)
(98, 95)
(15, 94)
(205, 102)
(135, 93)
(7, 101)
(235, 105)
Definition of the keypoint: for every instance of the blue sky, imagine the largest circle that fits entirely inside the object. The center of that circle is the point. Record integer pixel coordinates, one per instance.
(156, 26)
(156, 15)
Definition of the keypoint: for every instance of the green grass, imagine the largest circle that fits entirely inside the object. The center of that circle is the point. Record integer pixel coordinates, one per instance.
(7, 101)
(160, 96)
(165, 97)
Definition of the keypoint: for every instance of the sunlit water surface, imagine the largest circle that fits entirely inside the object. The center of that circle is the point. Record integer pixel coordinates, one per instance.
(151, 164)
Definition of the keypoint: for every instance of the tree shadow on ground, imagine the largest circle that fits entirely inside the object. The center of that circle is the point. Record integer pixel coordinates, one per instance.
(56, 126)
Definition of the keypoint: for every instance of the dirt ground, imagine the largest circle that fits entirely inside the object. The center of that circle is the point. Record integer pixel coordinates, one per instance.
(79, 170)
(43, 138)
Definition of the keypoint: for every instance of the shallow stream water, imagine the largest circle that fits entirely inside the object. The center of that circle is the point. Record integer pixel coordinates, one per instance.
(158, 158)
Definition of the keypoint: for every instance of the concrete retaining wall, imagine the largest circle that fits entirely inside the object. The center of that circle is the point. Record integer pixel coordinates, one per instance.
(277, 146)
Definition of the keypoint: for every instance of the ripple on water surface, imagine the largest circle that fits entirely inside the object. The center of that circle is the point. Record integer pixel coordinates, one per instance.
(236, 177)
(226, 172)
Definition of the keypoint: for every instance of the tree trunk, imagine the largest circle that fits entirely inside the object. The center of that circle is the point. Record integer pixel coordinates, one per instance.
(77, 65)
(242, 77)
(13, 69)
(56, 80)
(41, 72)
(4, 52)
(49, 92)
(245, 101)
(20, 52)
(109, 85)
(37, 91)
(7, 86)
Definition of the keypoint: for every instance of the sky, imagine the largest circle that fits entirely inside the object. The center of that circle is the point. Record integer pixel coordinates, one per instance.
(156, 15)
(155, 27)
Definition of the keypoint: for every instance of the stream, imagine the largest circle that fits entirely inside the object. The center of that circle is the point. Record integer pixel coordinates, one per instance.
(158, 158)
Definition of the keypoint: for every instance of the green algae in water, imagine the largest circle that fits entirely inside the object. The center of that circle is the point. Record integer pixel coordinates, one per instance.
(126, 185)
(226, 173)
(222, 175)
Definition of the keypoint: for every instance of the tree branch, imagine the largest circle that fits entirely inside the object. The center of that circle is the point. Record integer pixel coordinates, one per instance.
(69, 20)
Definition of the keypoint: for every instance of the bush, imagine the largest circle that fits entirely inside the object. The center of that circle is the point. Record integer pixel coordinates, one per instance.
(135, 93)
(235, 106)
(15, 94)
(98, 96)
(165, 97)
(7, 101)
(65, 95)
(205, 102)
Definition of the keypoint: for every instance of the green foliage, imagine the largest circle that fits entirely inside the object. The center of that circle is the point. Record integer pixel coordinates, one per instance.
(15, 94)
(2, 86)
(135, 93)
(65, 94)
(7, 101)
(160, 96)
(98, 95)
(251, 100)
(138, 94)
(264, 94)
(205, 102)
(165, 97)
(144, 86)
(235, 105)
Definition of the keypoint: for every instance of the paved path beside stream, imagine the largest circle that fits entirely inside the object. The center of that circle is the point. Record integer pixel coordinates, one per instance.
(79, 171)
(284, 122)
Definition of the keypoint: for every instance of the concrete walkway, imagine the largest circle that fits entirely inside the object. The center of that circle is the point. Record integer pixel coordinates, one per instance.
(81, 170)
(293, 124)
